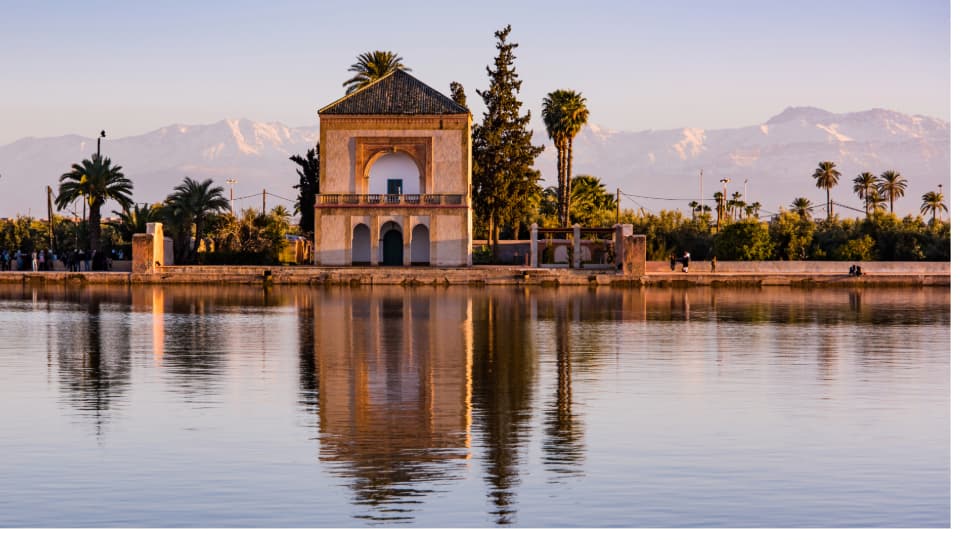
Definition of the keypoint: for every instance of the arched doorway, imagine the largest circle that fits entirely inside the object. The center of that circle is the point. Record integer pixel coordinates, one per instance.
(392, 244)
(420, 246)
(361, 245)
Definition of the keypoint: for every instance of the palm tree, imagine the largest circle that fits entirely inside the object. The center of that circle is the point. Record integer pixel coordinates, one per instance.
(564, 114)
(827, 177)
(864, 186)
(134, 219)
(933, 202)
(96, 180)
(280, 212)
(589, 199)
(718, 198)
(801, 207)
(875, 201)
(371, 66)
(893, 186)
(738, 204)
(694, 206)
(193, 201)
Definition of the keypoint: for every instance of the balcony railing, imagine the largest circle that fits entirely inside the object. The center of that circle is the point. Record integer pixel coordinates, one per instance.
(378, 199)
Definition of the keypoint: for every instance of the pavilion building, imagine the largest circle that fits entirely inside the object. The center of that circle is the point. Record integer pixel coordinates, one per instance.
(395, 177)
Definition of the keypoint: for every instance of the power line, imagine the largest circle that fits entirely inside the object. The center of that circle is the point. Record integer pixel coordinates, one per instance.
(657, 198)
(281, 197)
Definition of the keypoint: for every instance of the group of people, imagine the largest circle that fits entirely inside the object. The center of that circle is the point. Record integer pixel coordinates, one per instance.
(46, 260)
(27, 260)
(684, 261)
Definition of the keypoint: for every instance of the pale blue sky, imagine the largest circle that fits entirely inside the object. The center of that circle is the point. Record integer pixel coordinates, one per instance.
(131, 67)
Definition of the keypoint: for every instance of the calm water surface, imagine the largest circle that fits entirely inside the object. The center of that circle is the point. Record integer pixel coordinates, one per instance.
(207, 407)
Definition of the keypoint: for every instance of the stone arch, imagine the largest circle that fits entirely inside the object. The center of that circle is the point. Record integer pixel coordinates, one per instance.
(370, 149)
(360, 245)
(420, 246)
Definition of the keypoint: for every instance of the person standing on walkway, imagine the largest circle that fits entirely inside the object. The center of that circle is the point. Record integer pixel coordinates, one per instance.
(686, 261)
(33, 260)
(673, 262)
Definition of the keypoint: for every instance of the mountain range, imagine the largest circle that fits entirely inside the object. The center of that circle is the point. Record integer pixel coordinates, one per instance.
(771, 162)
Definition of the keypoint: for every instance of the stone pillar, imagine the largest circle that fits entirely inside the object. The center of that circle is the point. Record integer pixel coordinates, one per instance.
(407, 235)
(159, 253)
(620, 232)
(142, 254)
(374, 240)
(148, 250)
(534, 253)
(634, 255)
(576, 247)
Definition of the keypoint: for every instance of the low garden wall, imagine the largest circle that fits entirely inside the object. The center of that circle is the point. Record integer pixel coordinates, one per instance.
(808, 267)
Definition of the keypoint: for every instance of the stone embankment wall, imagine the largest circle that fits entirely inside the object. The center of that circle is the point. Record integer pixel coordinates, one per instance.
(149, 255)
(927, 274)
(808, 267)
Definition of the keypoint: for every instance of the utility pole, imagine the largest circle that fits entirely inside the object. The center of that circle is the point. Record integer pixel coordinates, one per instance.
(231, 182)
(701, 191)
(723, 204)
(264, 211)
(618, 205)
(53, 241)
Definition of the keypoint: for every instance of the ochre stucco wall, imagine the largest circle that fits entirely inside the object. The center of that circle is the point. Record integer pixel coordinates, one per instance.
(441, 149)
(339, 155)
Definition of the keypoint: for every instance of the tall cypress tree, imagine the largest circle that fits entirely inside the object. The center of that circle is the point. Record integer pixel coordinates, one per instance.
(504, 179)
(457, 94)
(309, 185)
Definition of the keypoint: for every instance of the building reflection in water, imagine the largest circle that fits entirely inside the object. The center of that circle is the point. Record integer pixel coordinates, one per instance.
(393, 391)
(400, 378)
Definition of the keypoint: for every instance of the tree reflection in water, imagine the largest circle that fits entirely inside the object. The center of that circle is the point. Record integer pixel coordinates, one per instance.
(195, 346)
(563, 446)
(503, 376)
(94, 375)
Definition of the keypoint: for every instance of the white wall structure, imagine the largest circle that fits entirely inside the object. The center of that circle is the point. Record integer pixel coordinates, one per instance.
(397, 166)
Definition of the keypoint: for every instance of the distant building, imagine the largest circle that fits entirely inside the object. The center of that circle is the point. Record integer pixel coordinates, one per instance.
(395, 175)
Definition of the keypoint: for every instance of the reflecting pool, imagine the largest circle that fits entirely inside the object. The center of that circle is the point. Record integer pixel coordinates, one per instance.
(473, 407)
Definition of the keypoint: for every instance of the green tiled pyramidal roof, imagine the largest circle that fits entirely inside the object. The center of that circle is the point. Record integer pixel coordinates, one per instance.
(396, 93)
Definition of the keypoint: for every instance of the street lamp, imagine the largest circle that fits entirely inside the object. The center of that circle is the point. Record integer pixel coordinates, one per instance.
(745, 180)
(103, 135)
(940, 188)
(723, 206)
(231, 182)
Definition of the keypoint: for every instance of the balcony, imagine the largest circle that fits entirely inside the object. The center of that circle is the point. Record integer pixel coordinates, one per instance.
(378, 199)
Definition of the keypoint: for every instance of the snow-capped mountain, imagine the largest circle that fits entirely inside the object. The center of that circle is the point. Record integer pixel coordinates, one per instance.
(655, 169)
(256, 154)
(777, 158)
